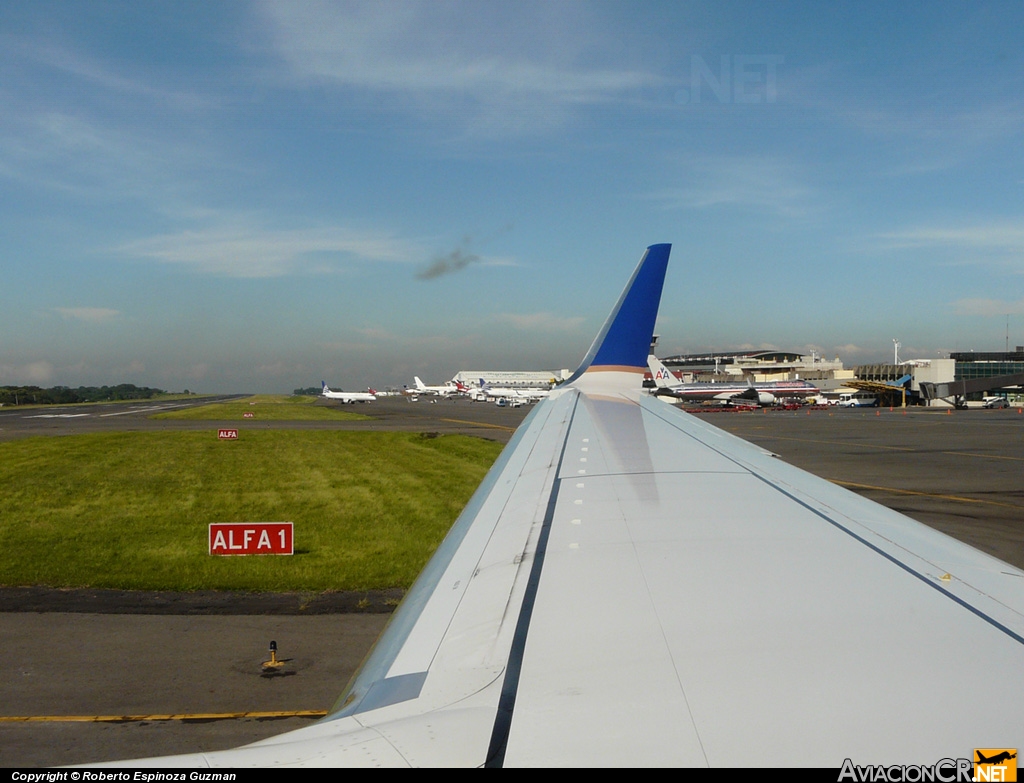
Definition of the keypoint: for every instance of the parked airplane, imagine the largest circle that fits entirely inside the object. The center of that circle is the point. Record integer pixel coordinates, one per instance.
(447, 390)
(347, 397)
(487, 392)
(750, 393)
(633, 586)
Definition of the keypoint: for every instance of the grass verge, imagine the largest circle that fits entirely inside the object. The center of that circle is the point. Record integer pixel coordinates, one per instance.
(266, 407)
(130, 510)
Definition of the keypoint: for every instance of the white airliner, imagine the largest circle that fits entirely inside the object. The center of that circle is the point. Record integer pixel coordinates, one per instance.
(487, 392)
(752, 393)
(347, 397)
(631, 586)
(442, 391)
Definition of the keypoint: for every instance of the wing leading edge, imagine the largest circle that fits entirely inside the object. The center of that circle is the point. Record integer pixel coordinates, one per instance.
(630, 585)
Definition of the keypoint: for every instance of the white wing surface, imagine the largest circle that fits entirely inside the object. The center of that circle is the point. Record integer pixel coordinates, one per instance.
(632, 586)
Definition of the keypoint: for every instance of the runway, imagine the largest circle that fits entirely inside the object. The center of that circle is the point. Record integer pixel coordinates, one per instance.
(390, 414)
(959, 472)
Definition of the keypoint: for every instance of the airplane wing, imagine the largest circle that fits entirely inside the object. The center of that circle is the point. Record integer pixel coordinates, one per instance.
(632, 586)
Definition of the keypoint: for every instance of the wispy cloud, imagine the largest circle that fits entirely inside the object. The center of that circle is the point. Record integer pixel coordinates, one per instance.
(764, 184)
(244, 250)
(547, 322)
(1008, 236)
(90, 71)
(92, 315)
(988, 307)
(994, 243)
(484, 56)
(979, 124)
(73, 123)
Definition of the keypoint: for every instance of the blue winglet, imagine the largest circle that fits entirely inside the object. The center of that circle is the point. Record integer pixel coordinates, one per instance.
(625, 339)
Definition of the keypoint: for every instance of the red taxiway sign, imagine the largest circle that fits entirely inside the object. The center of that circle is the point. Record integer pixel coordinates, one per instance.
(252, 538)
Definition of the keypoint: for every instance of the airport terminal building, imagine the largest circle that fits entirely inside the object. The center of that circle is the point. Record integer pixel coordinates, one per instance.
(965, 377)
(512, 379)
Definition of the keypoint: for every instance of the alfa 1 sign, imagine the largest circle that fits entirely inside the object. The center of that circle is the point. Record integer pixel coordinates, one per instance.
(251, 538)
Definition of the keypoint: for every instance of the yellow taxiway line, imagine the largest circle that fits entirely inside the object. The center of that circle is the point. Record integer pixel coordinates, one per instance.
(481, 424)
(959, 498)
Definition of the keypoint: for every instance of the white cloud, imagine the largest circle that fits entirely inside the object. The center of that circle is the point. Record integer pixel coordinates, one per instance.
(243, 250)
(93, 315)
(134, 368)
(849, 348)
(33, 373)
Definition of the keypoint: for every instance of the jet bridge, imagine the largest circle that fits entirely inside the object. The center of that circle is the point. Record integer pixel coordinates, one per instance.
(935, 391)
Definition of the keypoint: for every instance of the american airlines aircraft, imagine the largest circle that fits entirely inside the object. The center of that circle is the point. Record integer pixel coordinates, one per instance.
(753, 393)
(631, 586)
(347, 397)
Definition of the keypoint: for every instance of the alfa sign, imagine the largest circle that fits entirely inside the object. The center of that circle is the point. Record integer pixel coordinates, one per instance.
(227, 434)
(251, 538)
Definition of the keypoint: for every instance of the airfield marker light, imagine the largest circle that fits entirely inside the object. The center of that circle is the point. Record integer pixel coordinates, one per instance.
(273, 664)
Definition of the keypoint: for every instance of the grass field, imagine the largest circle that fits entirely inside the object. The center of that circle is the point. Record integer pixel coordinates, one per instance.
(130, 510)
(267, 407)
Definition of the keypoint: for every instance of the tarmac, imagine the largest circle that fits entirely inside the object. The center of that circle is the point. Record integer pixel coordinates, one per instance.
(137, 657)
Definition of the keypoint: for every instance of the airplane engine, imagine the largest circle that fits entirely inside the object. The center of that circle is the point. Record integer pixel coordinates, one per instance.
(765, 398)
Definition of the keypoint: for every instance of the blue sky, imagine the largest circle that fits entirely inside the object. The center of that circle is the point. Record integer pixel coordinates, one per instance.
(251, 196)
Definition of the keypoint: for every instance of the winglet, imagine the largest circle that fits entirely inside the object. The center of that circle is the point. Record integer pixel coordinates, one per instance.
(624, 341)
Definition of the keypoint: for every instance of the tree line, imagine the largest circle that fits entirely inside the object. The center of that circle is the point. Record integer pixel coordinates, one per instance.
(62, 395)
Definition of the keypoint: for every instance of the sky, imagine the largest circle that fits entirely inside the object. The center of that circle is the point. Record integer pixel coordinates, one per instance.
(255, 196)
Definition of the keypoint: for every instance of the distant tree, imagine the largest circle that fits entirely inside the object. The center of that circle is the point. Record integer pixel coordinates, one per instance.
(309, 391)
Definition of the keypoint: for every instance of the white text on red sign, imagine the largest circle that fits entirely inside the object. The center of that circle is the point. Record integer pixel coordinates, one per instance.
(252, 538)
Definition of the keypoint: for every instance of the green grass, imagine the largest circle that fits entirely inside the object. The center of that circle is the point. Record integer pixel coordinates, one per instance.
(266, 407)
(130, 510)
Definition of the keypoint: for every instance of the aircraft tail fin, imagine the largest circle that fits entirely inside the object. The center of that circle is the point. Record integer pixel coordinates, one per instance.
(663, 377)
(624, 342)
(419, 384)
(323, 387)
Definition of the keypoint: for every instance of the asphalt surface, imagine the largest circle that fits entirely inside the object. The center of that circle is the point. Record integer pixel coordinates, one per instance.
(110, 653)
